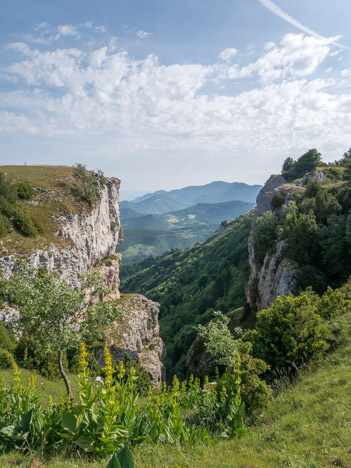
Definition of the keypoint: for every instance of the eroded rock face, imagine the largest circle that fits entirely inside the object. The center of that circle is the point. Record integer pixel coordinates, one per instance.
(93, 238)
(138, 334)
(277, 276)
(94, 235)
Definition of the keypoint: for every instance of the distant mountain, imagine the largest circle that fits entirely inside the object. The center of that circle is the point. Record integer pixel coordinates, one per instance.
(156, 204)
(200, 214)
(161, 202)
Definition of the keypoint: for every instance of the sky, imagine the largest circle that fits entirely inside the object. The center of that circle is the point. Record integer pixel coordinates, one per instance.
(164, 94)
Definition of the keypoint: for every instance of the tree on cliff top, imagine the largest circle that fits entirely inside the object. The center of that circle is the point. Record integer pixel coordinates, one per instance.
(55, 315)
(306, 163)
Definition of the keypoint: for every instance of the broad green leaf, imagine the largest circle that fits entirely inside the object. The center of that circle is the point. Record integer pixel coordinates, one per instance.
(84, 442)
(114, 462)
(8, 430)
(125, 458)
(68, 421)
(25, 420)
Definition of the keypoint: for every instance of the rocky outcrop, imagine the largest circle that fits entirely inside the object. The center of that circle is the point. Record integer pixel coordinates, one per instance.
(317, 175)
(277, 275)
(90, 241)
(137, 333)
(93, 236)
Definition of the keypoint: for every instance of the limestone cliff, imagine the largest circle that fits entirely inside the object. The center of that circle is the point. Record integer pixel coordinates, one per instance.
(277, 275)
(84, 240)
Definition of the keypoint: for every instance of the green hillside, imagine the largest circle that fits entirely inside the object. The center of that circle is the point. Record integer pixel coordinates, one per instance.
(141, 243)
(189, 284)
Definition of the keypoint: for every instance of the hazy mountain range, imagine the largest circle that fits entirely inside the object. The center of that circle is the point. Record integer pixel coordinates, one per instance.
(160, 221)
(216, 192)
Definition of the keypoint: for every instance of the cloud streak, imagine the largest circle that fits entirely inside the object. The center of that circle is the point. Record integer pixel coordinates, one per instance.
(276, 10)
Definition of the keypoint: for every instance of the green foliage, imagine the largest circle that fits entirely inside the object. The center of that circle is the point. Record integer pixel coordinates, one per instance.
(6, 359)
(228, 350)
(3, 226)
(87, 182)
(277, 201)
(6, 340)
(7, 189)
(302, 246)
(264, 235)
(32, 357)
(51, 311)
(289, 333)
(143, 381)
(313, 188)
(108, 416)
(189, 284)
(24, 190)
(219, 342)
(255, 392)
(20, 218)
(305, 163)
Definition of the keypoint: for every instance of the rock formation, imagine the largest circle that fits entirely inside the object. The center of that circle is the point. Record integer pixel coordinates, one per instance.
(277, 275)
(90, 241)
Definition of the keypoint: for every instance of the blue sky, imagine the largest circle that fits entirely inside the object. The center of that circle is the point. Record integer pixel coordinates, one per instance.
(167, 94)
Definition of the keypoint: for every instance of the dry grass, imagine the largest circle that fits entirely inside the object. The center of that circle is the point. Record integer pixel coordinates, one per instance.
(57, 197)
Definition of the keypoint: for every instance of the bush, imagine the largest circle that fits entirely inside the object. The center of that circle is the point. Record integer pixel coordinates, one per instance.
(289, 333)
(278, 200)
(20, 218)
(7, 342)
(7, 189)
(3, 227)
(6, 359)
(44, 363)
(264, 235)
(24, 190)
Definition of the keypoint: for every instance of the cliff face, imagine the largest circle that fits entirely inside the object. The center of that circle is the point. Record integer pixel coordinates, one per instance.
(137, 334)
(94, 236)
(277, 275)
(87, 241)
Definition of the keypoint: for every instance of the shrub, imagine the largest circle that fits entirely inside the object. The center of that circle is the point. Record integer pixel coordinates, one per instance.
(289, 333)
(45, 363)
(20, 218)
(3, 227)
(7, 189)
(6, 359)
(7, 342)
(24, 190)
(264, 235)
(278, 200)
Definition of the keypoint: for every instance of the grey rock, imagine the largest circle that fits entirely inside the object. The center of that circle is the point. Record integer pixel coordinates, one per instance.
(138, 334)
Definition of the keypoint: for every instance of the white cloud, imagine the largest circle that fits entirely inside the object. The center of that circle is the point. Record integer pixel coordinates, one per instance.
(269, 45)
(275, 9)
(228, 53)
(67, 30)
(143, 34)
(146, 104)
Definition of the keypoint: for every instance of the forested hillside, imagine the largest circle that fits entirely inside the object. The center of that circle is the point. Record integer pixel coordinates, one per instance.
(189, 284)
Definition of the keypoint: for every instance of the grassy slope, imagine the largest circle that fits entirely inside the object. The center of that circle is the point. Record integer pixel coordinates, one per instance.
(307, 425)
(44, 206)
(44, 386)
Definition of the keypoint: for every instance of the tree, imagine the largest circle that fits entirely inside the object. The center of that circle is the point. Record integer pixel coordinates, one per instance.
(264, 235)
(87, 182)
(54, 314)
(219, 342)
